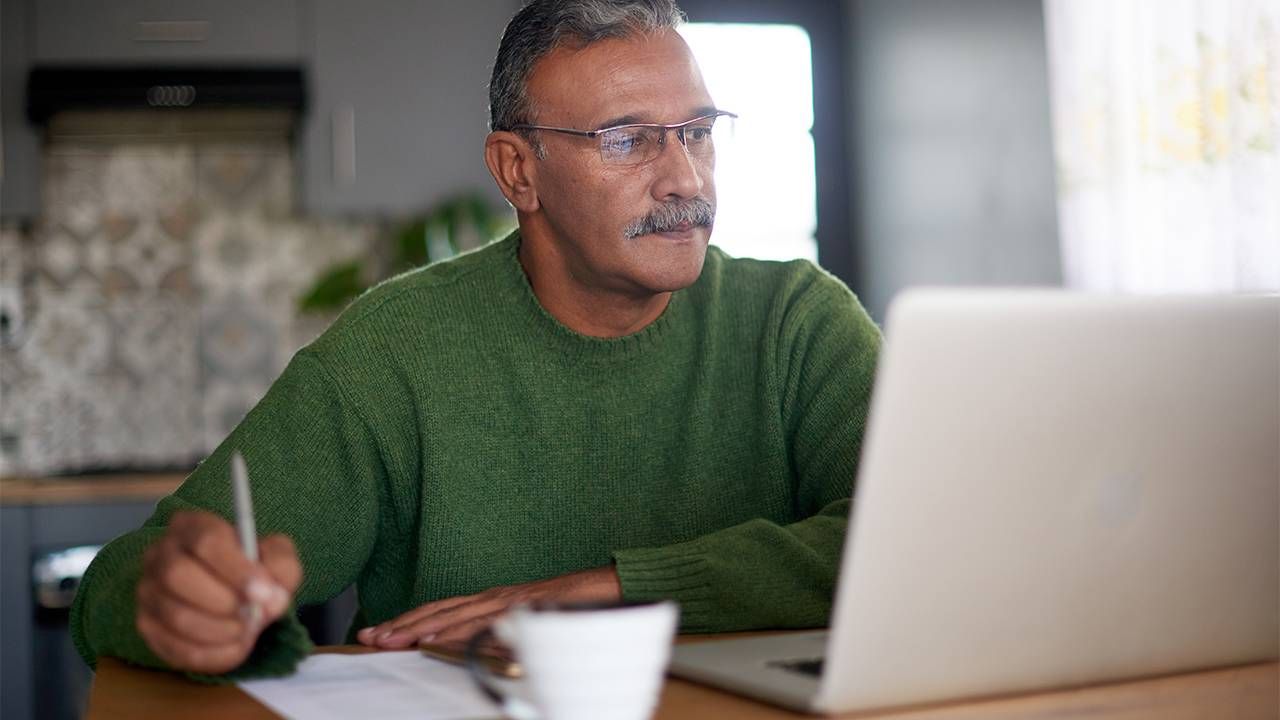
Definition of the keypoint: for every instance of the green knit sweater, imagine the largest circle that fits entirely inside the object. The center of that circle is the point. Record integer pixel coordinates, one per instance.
(447, 435)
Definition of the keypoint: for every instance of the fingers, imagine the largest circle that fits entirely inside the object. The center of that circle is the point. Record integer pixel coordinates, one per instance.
(423, 611)
(452, 630)
(443, 624)
(371, 635)
(212, 541)
(171, 571)
(462, 607)
(280, 558)
(183, 654)
(185, 621)
(201, 603)
(458, 617)
(461, 632)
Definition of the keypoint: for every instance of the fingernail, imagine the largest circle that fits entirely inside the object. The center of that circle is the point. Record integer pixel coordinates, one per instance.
(427, 638)
(365, 633)
(260, 590)
(385, 634)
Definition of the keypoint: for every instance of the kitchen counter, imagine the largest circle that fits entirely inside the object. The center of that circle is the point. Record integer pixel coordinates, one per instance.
(79, 489)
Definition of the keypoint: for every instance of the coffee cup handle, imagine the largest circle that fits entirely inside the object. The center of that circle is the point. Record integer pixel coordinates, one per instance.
(514, 707)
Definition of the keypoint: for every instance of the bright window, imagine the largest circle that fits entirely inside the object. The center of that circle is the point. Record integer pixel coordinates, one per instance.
(765, 180)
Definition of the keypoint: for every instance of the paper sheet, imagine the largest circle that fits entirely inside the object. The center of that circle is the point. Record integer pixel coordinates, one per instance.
(378, 686)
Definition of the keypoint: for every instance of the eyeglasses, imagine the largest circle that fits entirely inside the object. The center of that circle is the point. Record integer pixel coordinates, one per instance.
(637, 143)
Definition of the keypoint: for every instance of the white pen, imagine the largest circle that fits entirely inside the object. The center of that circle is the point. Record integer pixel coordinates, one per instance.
(244, 520)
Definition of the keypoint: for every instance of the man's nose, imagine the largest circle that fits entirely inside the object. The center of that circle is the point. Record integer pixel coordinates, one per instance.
(679, 173)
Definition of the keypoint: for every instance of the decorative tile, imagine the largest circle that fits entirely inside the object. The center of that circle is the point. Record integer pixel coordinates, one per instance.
(70, 341)
(73, 183)
(155, 340)
(16, 270)
(237, 340)
(146, 180)
(235, 253)
(12, 425)
(246, 177)
(13, 250)
(60, 429)
(164, 282)
(224, 405)
(159, 427)
(149, 256)
(66, 255)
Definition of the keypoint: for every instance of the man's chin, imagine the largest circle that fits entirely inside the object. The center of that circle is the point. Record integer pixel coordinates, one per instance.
(678, 262)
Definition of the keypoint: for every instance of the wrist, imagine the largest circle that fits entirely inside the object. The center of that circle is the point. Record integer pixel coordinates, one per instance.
(610, 583)
(600, 585)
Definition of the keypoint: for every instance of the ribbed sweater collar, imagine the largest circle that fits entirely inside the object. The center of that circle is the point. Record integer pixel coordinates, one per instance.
(575, 346)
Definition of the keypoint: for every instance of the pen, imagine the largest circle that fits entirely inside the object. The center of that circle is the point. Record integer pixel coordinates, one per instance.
(496, 665)
(244, 520)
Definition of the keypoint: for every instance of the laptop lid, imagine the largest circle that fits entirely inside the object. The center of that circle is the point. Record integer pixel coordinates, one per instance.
(1060, 489)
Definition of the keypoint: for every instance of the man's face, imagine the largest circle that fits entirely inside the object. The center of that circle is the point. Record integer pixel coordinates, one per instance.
(590, 204)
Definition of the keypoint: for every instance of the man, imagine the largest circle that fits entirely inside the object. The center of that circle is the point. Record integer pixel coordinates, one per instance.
(597, 407)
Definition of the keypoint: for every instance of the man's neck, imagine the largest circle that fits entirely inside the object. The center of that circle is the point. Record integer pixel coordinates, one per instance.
(595, 312)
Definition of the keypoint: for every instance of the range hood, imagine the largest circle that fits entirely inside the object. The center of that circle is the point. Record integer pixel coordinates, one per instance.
(54, 89)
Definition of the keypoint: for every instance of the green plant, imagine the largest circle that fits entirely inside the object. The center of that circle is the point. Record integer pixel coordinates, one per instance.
(458, 224)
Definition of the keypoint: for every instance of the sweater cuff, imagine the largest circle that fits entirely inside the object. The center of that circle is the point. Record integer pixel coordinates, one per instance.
(678, 572)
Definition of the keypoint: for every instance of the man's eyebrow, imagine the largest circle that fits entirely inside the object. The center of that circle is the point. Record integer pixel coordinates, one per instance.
(620, 120)
(633, 119)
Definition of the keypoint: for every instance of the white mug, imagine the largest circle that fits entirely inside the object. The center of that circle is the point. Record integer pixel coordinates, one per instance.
(581, 662)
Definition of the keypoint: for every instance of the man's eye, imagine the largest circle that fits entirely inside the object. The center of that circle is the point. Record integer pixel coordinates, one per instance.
(624, 141)
(698, 133)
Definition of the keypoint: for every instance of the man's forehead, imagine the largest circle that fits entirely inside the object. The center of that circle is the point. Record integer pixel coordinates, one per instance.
(648, 77)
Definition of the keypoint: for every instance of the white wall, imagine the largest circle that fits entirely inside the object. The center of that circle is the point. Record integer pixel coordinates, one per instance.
(952, 179)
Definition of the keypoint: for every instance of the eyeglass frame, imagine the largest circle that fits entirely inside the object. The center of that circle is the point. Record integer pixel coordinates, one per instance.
(678, 127)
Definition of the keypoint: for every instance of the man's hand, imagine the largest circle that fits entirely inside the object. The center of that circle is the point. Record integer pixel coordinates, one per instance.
(198, 593)
(454, 620)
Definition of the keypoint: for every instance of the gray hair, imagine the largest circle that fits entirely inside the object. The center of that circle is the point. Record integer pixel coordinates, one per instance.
(543, 25)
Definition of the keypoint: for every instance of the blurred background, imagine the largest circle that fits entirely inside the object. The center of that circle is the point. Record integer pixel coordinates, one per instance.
(190, 191)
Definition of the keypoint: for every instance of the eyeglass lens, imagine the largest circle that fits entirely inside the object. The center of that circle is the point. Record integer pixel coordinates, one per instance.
(631, 145)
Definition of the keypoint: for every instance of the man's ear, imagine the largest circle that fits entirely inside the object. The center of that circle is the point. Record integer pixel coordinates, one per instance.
(511, 162)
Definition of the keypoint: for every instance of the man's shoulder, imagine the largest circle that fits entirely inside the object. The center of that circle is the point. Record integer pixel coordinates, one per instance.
(419, 302)
(790, 299)
(745, 279)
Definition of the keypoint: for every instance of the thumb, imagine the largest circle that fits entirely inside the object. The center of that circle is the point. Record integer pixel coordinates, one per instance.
(278, 555)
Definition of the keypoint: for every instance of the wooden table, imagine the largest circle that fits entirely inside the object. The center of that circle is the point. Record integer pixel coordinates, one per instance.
(1242, 693)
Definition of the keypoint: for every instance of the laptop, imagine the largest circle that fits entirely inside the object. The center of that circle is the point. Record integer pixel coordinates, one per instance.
(1055, 490)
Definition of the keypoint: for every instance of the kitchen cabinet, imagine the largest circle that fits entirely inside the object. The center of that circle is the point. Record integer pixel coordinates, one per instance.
(398, 107)
(125, 32)
(20, 161)
(171, 31)
(400, 103)
(42, 674)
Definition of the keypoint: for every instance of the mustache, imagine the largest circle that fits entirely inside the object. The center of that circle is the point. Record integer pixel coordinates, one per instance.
(696, 211)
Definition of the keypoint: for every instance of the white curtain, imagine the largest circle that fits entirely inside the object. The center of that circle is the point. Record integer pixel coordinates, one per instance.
(1167, 142)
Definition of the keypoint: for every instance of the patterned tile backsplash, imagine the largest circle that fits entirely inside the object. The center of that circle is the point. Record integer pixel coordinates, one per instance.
(155, 300)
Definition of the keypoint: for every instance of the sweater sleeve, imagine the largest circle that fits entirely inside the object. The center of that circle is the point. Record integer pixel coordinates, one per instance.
(761, 574)
(315, 473)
